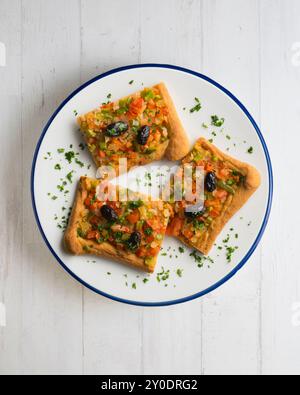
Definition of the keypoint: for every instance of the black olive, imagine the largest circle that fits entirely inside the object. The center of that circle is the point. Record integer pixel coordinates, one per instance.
(116, 129)
(109, 213)
(143, 135)
(210, 182)
(134, 241)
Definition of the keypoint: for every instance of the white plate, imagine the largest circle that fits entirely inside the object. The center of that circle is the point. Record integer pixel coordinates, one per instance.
(184, 85)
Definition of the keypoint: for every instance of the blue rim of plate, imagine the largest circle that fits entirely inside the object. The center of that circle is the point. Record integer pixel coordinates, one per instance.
(267, 214)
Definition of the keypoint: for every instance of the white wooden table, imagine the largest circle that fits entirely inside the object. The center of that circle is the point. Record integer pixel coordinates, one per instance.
(53, 325)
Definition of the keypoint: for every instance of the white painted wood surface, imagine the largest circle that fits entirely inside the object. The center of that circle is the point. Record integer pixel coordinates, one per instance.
(249, 326)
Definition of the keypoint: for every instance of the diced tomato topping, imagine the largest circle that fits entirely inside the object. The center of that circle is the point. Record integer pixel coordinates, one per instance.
(153, 251)
(144, 252)
(208, 167)
(188, 233)
(223, 174)
(175, 227)
(220, 194)
(92, 234)
(214, 213)
(149, 239)
(87, 202)
(141, 252)
(94, 220)
(136, 106)
(133, 217)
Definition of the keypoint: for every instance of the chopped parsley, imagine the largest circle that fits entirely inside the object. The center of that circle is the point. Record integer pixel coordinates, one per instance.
(78, 162)
(198, 258)
(57, 167)
(163, 275)
(60, 150)
(135, 204)
(229, 253)
(179, 272)
(197, 107)
(201, 259)
(181, 250)
(69, 176)
(131, 82)
(70, 156)
(216, 121)
(250, 150)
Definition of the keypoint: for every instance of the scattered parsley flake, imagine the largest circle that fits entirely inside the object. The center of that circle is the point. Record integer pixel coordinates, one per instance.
(60, 150)
(131, 82)
(78, 162)
(227, 239)
(179, 272)
(163, 275)
(70, 156)
(229, 252)
(250, 150)
(181, 250)
(197, 107)
(216, 121)
(134, 285)
(57, 167)
(69, 177)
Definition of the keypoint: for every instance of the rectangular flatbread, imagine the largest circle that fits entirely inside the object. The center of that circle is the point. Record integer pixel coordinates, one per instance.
(127, 231)
(229, 184)
(142, 127)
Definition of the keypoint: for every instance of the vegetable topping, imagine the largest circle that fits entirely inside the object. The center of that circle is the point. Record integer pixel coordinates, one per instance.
(133, 127)
(135, 226)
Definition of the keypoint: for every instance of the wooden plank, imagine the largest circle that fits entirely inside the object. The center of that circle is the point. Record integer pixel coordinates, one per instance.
(11, 188)
(173, 334)
(51, 300)
(280, 120)
(112, 331)
(231, 315)
(171, 32)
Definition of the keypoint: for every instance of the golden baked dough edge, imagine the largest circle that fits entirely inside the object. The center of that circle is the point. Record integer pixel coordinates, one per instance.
(233, 204)
(179, 145)
(79, 246)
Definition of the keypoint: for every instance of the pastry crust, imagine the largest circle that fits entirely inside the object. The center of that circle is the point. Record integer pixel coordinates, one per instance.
(179, 145)
(233, 203)
(79, 246)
